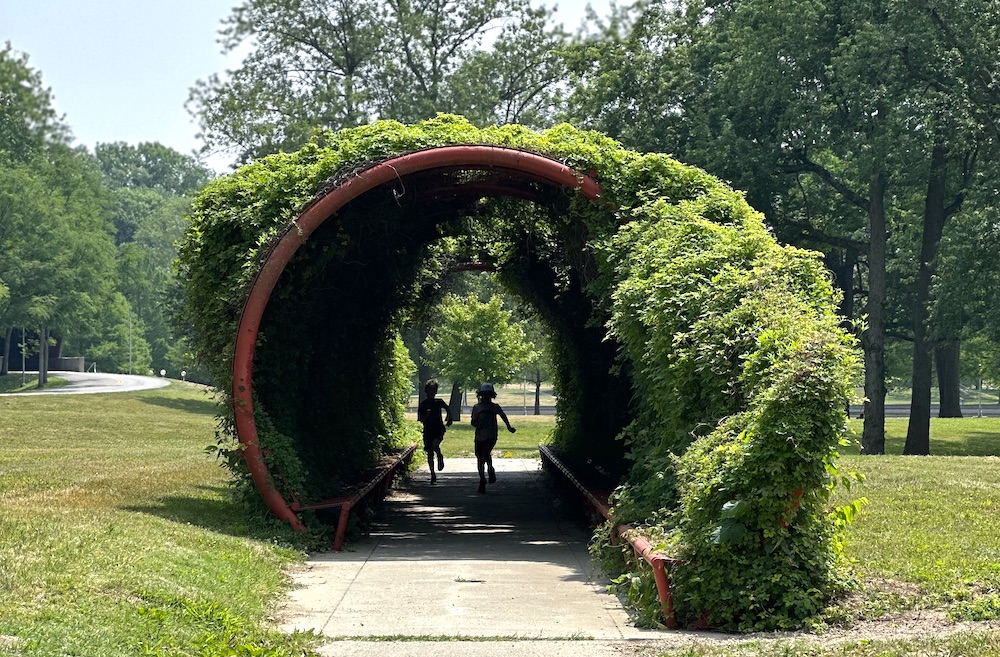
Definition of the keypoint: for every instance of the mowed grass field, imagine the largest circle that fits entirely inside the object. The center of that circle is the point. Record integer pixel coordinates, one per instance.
(117, 536)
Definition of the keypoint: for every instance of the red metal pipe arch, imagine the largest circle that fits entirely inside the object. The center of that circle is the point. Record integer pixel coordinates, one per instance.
(472, 158)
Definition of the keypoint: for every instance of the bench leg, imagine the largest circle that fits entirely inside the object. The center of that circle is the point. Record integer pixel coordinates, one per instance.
(338, 539)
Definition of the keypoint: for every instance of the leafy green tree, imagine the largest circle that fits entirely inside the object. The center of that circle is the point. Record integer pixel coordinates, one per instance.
(822, 112)
(28, 121)
(477, 342)
(149, 187)
(151, 165)
(342, 63)
(518, 80)
(75, 259)
(56, 248)
(122, 346)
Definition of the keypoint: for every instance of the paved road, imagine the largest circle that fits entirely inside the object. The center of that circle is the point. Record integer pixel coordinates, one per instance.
(81, 383)
(445, 565)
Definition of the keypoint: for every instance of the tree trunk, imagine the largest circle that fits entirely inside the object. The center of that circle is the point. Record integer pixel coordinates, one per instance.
(455, 403)
(538, 392)
(5, 356)
(873, 338)
(843, 278)
(424, 372)
(58, 346)
(43, 356)
(45, 350)
(947, 360)
(918, 430)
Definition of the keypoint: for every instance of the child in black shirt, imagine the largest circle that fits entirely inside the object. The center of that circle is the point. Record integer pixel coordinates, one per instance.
(429, 414)
(484, 419)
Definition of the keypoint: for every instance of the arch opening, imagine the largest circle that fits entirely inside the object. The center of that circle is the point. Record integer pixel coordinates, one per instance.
(424, 196)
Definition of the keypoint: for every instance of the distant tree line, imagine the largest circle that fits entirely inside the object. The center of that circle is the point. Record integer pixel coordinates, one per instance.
(86, 239)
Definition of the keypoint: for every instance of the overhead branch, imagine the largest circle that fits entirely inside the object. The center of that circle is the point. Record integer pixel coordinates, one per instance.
(804, 165)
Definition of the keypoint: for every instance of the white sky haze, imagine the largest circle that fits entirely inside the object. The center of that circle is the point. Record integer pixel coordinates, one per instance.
(120, 70)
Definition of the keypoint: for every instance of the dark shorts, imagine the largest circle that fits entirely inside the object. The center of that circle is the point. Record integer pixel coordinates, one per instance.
(432, 442)
(484, 447)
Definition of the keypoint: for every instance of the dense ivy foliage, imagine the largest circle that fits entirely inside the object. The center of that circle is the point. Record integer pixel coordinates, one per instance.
(691, 350)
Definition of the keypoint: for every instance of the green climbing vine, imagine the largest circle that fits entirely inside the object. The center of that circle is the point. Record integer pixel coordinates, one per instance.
(693, 354)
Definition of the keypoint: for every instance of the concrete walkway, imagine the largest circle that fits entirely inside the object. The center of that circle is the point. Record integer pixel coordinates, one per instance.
(447, 567)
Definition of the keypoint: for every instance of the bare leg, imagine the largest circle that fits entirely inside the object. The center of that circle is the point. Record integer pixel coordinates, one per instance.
(481, 464)
(430, 464)
(489, 464)
(440, 458)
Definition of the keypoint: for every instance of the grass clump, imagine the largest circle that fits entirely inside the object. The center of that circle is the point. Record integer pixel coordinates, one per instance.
(973, 644)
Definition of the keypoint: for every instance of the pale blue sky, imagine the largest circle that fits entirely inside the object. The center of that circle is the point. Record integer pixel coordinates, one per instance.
(120, 70)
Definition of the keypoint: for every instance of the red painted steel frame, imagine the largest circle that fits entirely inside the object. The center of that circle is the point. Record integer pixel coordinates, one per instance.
(473, 158)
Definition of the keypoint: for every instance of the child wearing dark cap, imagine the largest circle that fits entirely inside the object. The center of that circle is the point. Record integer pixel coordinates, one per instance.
(484, 419)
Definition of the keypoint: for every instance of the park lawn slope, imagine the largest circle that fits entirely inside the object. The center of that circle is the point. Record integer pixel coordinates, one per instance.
(118, 536)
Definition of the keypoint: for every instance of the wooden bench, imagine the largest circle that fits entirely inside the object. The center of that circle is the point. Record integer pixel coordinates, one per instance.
(379, 483)
(642, 548)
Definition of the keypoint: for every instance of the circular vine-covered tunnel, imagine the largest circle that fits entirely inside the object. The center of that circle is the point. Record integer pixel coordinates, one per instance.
(693, 354)
(429, 187)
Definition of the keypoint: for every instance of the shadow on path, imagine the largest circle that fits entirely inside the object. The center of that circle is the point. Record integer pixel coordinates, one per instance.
(444, 560)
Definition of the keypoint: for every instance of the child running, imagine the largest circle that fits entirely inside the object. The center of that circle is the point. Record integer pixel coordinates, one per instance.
(429, 414)
(484, 419)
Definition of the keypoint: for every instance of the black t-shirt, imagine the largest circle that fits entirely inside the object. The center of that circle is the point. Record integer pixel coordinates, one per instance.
(429, 413)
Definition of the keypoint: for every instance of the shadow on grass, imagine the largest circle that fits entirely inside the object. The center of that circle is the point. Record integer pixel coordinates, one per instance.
(196, 406)
(215, 512)
(970, 443)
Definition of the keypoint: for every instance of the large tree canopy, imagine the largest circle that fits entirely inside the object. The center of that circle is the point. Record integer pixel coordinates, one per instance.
(341, 63)
(857, 127)
(476, 342)
(28, 121)
(681, 330)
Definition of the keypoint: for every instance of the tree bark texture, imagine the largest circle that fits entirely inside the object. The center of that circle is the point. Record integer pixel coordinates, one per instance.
(947, 361)
(918, 429)
(843, 279)
(43, 356)
(873, 338)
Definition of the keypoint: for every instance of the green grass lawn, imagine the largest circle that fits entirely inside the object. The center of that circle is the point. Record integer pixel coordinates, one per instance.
(117, 536)
(16, 383)
(931, 521)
